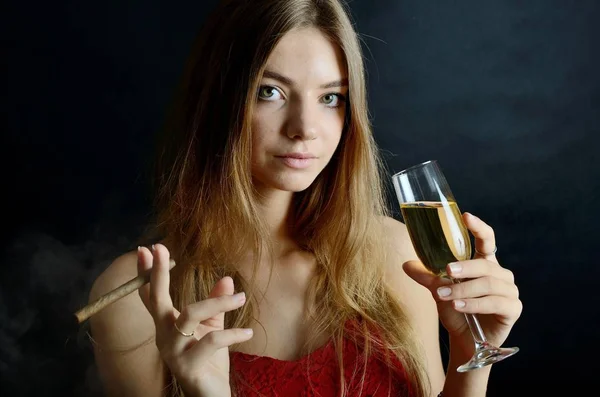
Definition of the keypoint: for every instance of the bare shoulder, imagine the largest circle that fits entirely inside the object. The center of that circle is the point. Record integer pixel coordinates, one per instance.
(126, 356)
(113, 323)
(400, 250)
(120, 270)
(399, 239)
(416, 299)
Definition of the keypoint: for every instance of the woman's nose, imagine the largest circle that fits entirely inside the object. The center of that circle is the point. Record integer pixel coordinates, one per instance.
(303, 122)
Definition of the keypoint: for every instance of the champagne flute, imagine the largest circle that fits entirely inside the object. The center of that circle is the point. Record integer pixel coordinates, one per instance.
(439, 236)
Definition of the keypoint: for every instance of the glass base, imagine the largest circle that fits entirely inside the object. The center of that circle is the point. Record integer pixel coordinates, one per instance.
(487, 354)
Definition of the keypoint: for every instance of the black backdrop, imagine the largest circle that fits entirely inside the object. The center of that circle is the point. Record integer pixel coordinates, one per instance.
(504, 94)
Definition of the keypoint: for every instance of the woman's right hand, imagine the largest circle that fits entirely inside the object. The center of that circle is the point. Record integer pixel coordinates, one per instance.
(199, 362)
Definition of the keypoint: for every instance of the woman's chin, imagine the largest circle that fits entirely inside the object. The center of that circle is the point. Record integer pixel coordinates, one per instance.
(292, 185)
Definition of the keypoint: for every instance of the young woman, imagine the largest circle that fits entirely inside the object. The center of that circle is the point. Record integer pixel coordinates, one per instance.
(291, 279)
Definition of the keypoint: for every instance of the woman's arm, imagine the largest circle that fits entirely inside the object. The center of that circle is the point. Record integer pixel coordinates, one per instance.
(126, 326)
(472, 383)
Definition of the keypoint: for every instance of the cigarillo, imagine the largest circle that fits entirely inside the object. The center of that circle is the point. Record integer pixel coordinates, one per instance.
(114, 295)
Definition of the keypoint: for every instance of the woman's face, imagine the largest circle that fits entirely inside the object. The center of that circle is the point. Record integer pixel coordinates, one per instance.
(299, 116)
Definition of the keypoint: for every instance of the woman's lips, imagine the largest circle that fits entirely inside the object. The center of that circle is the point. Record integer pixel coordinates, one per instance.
(296, 162)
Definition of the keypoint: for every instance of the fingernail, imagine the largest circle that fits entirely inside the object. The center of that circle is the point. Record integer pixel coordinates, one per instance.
(240, 297)
(248, 331)
(139, 248)
(459, 303)
(153, 249)
(455, 268)
(444, 291)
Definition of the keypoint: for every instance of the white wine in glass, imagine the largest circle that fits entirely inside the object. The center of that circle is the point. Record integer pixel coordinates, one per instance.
(439, 236)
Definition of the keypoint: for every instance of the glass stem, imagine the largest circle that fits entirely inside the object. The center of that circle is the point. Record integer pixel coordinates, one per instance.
(474, 326)
(476, 330)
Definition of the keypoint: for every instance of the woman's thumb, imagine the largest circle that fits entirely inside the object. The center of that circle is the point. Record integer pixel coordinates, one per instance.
(418, 272)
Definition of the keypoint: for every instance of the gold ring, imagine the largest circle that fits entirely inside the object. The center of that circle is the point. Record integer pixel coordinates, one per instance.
(183, 333)
(491, 253)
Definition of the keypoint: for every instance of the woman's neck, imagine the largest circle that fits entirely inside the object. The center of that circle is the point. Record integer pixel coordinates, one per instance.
(276, 209)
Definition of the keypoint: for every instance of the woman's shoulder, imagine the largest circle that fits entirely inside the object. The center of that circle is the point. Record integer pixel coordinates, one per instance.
(417, 300)
(122, 334)
(393, 224)
(398, 238)
(125, 322)
(121, 269)
(400, 250)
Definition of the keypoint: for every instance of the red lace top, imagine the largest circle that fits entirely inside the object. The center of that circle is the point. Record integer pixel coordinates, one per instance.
(317, 374)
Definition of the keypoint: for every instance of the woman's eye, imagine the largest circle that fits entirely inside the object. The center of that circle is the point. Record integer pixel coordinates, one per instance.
(332, 100)
(268, 93)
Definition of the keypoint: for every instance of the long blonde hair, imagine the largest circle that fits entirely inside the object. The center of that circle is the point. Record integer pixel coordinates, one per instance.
(206, 209)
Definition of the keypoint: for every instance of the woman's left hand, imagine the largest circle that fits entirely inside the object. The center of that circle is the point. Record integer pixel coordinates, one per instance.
(486, 289)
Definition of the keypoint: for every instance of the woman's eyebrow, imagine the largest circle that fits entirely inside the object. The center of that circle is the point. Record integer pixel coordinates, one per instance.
(287, 81)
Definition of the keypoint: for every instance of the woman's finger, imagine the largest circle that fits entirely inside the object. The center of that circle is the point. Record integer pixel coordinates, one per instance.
(193, 314)
(222, 287)
(483, 286)
(160, 298)
(144, 266)
(478, 268)
(485, 238)
(215, 340)
(502, 306)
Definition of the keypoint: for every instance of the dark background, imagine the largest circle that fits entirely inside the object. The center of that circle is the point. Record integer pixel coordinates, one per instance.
(504, 94)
